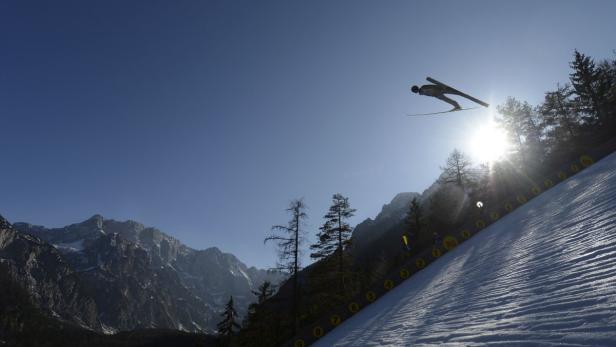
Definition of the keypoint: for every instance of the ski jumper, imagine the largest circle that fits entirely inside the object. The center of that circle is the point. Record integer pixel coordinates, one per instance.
(439, 93)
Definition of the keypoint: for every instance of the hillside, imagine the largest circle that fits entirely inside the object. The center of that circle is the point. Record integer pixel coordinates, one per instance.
(542, 275)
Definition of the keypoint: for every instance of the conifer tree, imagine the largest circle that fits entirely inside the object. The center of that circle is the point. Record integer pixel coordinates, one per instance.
(326, 244)
(258, 329)
(228, 326)
(415, 218)
(264, 292)
(606, 71)
(559, 114)
(521, 123)
(335, 234)
(584, 80)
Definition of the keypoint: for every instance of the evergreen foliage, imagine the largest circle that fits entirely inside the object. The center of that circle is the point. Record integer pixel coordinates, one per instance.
(415, 219)
(335, 235)
(522, 125)
(586, 82)
(260, 326)
(228, 326)
(264, 292)
(559, 114)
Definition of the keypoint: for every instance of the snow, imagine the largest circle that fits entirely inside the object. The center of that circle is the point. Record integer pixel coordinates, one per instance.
(543, 275)
(197, 326)
(107, 330)
(30, 238)
(75, 246)
(240, 273)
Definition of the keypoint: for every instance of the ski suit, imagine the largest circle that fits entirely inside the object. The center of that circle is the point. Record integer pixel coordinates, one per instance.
(439, 93)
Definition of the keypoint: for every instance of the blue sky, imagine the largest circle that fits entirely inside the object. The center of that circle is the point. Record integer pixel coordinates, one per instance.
(205, 118)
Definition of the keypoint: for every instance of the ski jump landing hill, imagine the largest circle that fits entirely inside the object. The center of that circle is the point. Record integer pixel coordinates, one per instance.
(543, 274)
(538, 273)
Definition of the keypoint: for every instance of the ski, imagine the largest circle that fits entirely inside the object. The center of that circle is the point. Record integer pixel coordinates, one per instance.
(433, 113)
(482, 103)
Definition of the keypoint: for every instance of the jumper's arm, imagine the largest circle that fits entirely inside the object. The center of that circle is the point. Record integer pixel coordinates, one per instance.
(432, 80)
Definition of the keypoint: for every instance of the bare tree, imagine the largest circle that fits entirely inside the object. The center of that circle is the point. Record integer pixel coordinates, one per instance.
(457, 169)
(289, 240)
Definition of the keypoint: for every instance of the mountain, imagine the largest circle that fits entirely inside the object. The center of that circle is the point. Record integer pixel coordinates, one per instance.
(543, 275)
(50, 280)
(22, 323)
(113, 276)
(391, 215)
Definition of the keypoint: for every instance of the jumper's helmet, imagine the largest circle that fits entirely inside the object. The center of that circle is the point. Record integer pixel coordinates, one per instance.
(415, 89)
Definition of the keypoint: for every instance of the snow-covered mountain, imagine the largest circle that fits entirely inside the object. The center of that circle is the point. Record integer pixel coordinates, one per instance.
(124, 276)
(544, 274)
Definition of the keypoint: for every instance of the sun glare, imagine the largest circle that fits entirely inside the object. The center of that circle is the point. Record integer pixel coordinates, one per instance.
(489, 143)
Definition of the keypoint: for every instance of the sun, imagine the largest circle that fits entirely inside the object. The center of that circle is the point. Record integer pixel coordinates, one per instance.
(489, 143)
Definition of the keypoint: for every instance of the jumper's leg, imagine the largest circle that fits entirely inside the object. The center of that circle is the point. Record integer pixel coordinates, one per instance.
(453, 103)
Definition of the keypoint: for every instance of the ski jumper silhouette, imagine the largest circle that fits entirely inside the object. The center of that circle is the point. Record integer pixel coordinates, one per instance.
(438, 90)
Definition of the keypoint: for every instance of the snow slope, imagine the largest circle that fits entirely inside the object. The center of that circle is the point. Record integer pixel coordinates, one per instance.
(544, 274)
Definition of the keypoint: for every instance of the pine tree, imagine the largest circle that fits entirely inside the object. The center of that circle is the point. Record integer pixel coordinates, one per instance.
(264, 292)
(289, 247)
(584, 80)
(457, 169)
(228, 326)
(335, 234)
(326, 244)
(606, 72)
(444, 207)
(257, 328)
(559, 113)
(415, 218)
(523, 126)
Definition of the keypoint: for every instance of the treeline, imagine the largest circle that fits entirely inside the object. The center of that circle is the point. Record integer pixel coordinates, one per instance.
(273, 319)
(572, 118)
(574, 115)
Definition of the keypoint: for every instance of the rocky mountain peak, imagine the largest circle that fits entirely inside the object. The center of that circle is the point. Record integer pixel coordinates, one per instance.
(141, 277)
(397, 207)
(4, 224)
(391, 214)
(96, 221)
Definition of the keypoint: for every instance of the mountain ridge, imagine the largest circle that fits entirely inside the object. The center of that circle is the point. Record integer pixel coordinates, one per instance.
(141, 277)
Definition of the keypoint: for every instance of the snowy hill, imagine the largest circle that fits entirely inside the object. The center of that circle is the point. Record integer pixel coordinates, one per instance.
(544, 274)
